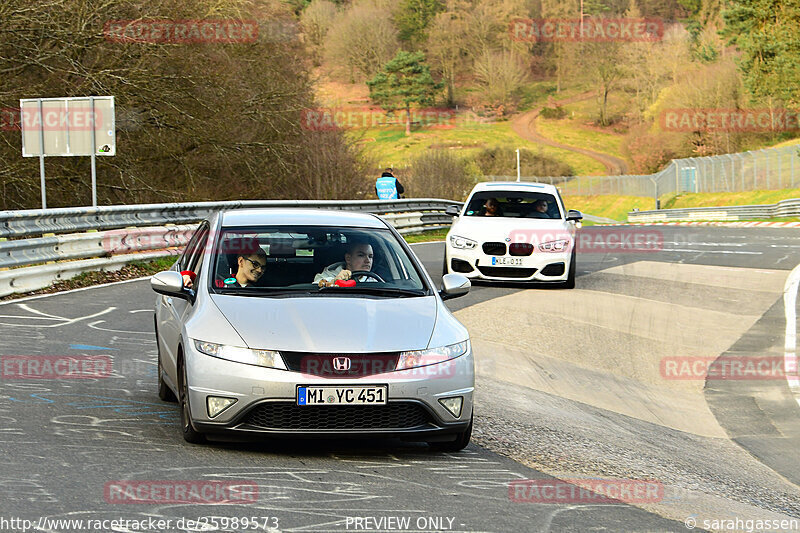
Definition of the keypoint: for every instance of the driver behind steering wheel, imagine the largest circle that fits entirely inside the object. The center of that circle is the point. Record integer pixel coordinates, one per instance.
(357, 257)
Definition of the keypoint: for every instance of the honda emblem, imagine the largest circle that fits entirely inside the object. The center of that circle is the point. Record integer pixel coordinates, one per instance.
(340, 364)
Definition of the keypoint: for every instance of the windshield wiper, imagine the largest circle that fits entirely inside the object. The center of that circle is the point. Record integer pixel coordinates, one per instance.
(380, 291)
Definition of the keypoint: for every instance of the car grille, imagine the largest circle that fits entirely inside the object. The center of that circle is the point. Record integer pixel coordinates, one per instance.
(520, 248)
(289, 416)
(507, 272)
(322, 364)
(494, 248)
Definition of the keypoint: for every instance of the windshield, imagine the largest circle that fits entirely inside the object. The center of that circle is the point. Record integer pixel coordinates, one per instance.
(316, 259)
(512, 204)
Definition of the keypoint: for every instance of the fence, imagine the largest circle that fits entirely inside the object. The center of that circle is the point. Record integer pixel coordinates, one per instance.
(767, 169)
(782, 209)
(117, 235)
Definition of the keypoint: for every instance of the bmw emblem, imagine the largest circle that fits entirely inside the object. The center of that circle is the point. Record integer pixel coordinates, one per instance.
(508, 239)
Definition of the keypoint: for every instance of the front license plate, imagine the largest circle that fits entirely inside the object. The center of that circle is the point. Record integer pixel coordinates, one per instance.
(330, 395)
(513, 261)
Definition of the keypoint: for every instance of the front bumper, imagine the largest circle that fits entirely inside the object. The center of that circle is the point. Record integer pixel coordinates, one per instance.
(413, 410)
(539, 266)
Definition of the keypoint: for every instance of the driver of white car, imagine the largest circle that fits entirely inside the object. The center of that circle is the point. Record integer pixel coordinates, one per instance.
(358, 257)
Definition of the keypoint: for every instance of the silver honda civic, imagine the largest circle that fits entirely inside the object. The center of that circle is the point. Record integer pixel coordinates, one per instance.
(298, 323)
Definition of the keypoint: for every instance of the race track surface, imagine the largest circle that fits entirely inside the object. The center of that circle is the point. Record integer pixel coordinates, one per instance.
(566, 387)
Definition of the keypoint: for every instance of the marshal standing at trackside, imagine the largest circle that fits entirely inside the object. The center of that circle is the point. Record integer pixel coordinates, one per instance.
(388, 187)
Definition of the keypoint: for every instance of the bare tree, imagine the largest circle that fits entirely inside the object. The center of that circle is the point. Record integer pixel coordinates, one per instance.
(316, 20)
(501, 74)
(198, 121)
(447, 44)
(361, 40)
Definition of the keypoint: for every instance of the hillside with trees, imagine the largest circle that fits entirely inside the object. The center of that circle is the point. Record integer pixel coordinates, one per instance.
(738, 55)
(216, 121)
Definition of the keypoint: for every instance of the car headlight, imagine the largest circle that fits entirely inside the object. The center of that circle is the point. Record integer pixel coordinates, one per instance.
(462, 242)
(554, 246)
(431, 356)
(265, 358)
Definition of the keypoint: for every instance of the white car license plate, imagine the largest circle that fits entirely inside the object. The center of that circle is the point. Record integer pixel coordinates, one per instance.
(513, 261)
(331, 395)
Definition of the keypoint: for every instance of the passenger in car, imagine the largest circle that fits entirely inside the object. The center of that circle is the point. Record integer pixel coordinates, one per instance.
(492, 208)
(250, 269)
(539, 209)
(358, 256)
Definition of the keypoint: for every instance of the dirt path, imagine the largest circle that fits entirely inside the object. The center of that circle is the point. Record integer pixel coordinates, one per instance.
(524, 125)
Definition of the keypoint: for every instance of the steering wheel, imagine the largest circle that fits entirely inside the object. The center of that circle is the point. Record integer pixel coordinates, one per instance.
(368, 273)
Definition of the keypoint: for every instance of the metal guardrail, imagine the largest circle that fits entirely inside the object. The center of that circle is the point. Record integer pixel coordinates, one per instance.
(152, 230)
(784, 208)
(30, 222)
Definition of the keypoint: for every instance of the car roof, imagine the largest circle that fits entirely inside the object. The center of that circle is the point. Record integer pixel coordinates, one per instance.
(515, 186)
(299, 217)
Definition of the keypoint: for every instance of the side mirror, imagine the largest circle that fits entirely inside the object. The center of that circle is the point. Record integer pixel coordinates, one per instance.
(170, 283)
(572, 214)
(452, 210)
(453, 286)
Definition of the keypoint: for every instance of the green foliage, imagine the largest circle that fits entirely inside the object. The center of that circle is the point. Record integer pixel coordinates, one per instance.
(692, 6)
(413, 17)
(404, 81)
(553, 112)
(767, 32)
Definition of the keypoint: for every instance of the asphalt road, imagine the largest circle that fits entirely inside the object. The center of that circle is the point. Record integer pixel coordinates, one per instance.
(65, 442)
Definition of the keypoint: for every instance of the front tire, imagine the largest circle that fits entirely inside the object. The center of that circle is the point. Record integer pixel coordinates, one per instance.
(164, 392)
(570, 283)
(189, 433)
(461, 441)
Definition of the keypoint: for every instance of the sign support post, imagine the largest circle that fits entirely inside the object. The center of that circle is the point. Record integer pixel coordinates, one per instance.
(94, 156)
(41, 158)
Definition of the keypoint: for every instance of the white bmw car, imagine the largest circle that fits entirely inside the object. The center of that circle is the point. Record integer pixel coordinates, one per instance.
(513, 231)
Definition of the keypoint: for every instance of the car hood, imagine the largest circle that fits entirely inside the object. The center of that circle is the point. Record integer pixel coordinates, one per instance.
(498, 229)
(331, 323)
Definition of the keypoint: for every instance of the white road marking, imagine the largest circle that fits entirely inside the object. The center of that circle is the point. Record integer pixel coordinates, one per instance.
(790, 344)
(63, 321)
(709, 251)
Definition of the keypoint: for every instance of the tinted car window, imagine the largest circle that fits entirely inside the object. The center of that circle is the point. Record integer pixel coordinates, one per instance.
(514, 205)
(293, 256)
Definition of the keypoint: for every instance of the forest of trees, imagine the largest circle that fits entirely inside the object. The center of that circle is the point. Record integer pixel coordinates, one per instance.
(713, 55)
(215, 121)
